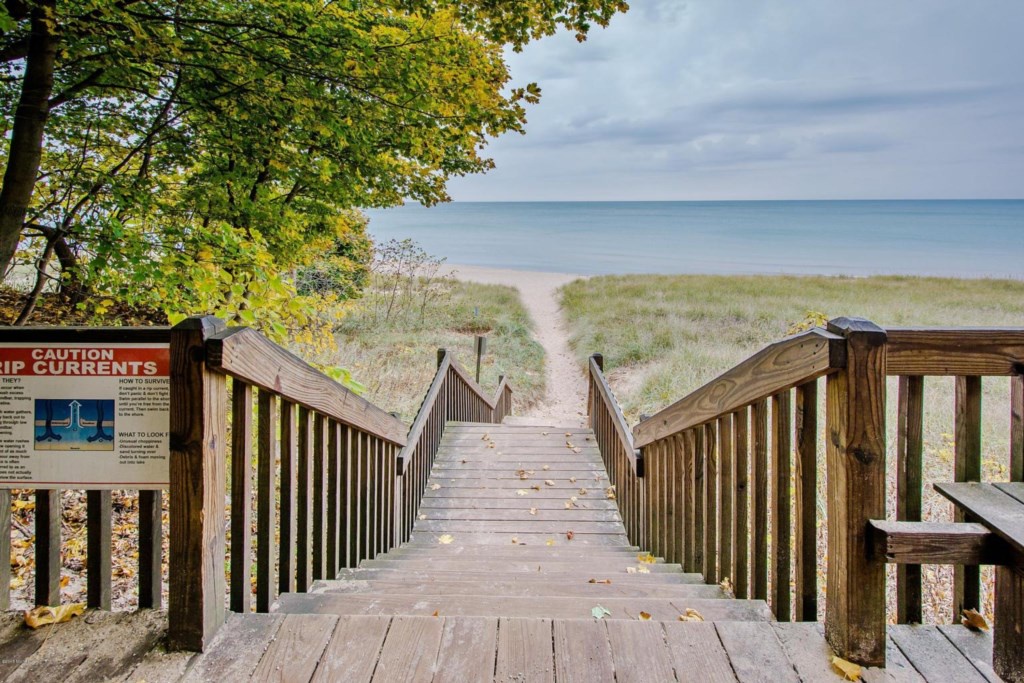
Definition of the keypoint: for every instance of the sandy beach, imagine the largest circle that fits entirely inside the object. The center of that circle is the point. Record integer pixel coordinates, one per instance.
(566, 392)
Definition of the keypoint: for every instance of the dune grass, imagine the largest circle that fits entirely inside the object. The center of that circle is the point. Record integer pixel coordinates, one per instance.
(396, 362)
(664, 336)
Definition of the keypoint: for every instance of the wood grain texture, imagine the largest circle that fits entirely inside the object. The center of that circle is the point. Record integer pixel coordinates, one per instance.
(855, 429)
(923, 646)
(937, 543)
(639, 651)
(582, 652)
(246, 354)
(759, 498)
(755, 652)
(909, 464)
(997, 506)
(697, 654)
(296, 649)
(711, 574)
(966, 467)
(468, 649)
(5, 551)
(725, 487)
(410, 650)
(524, 651)
(1008, 637)
(99, 514)
(304, 502)
(241, 496)
(289, 496)
(1017, 427)
(151, 548)
(266, 488)
(741, 449)
(351, 655)
(805, 528)
(782, 504)
(48, 518)
(957, 351)
(776, 368)
(198, 472)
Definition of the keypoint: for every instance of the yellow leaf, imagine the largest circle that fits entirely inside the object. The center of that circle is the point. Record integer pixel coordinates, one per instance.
(547, 467)
(572, 480)
(522, 492)
(691, 615)
(583, 492)
(973, 619)
(445, 540)
(434, 487)
(568, 433)
(848, 669)
(549, 482)
(435, 614)
(515, 540)
(24, 505)
(646, 559)
(550, 541)
(535, 487)
(533, 511)
(41, 616)
(609, 492)
(631, 570)
(604, 581)
(726, 585)
(644, 616)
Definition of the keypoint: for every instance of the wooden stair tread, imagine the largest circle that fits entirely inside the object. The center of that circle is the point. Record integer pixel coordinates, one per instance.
(510, 587)
(470, 574)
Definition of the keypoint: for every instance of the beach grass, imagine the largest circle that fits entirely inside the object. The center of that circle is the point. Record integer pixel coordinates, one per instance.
(664, 336)
(397, 361)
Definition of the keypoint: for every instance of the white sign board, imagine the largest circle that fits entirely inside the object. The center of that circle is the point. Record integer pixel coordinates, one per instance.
(85, 416)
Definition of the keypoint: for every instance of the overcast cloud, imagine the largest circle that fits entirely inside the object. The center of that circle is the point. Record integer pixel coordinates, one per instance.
(788, 99)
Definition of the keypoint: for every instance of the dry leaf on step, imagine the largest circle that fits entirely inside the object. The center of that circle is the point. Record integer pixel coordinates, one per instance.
(535, 487)
(547, 467)
(423, 516)
(543, 433)
(849, 670)
(485, 437)
(631, 570)
(645, 558)
(609, 492)
(604, 581)
(522, 492)
(974, 620)
(570, 445)
(572, 480)
(549, 482)
(491, 445)
(515, 541)
(691, 615)
(434, 487)
(569, 534)
(445, 539)
(726, 585)
(583, 492)
(568, 433)
(533, 511)
(41, 616)
(550, 541)
(435, 614)
(600, 612)
(644, 616)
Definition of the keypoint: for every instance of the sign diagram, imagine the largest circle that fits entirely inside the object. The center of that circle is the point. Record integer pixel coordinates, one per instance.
(74, 424)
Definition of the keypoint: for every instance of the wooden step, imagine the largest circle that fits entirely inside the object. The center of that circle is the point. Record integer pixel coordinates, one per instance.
(523, 514)
(617, 576)
(500, 539)
(482, 563)
(516, 588)
(513, 502)
(712, 609)
(455, 550)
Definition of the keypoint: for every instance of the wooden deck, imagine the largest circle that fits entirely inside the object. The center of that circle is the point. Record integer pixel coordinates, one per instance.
(492, 587)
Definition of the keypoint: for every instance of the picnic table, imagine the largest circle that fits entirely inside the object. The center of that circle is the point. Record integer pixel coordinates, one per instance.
(999, 507)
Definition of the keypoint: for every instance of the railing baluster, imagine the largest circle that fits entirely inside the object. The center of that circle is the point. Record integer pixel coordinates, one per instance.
(365, 446)
(725, 520)
(759, 498)
(5, 550)
(304, 513)
(241, 495)
(352, 471)
(48, 516)
(782, 467)
(150, 549)
(289, 513)
(333, 497)
(710, 504)
(686, 440)
(699, 508)
(677, 488)
(741, 582)
(1017, 427)
(266, 487)
(319, 497)
(98, 562)
(806, 527)
(909, 449)
(967, 467)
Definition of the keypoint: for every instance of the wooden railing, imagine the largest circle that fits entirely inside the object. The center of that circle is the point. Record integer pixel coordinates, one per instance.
(621, 460)
(99, 504)
(453, 396)
(731, 475)
(335, 483)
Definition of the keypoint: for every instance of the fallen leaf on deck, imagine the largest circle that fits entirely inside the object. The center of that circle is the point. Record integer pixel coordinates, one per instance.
(463, 461)
(549, 482)
(485, 437)
(644, 616)
(631, 570)
(423, 516)
(646, 559)
(547, 467)
(849, 670)
(605, 581)
(568, 433)
(522, 492)
(600, 612)
(569, 534)
(535, 487)
(973, 619)
(639, 569)
(445, 540)
(41, 616)
(691, 615)
(491, 444)
(550, 541)
(434, 487)
(435, 614)
(572, 480)
(515, 540)
(543, 433)
(583, 492)
(726, 586)
(609, 492)
(533, 511)
(24, 505)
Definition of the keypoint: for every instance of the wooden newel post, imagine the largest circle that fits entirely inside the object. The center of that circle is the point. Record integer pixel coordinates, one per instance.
(198, 429)
(855, 436)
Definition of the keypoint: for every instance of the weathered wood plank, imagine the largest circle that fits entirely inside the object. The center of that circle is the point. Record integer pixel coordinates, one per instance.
(296, 649)
(237, 649)
(639, 651)
(741, 449)
(305, 503)
(697, 653)
(909, 462)
(289, 512)
(855, 424)
(151, 549)
(266, 487)
(582, 652)
(241, 496)
(1008, 639)
(776, 368)
(246, 354)
(99, 515)
(975, 645)
(937, 543)
(755, 652)
(806, 649)
(805, 542)
(319, 503)
(410, 650)
(1017, 427)
(759, 498)
(958, 351)
(351, 655)
(932, 655)
(524, 650)
(966, 467)
(468, 649)
(997, 506)
(711, 574)
(48, 518)
(782, 504)
(725, 487)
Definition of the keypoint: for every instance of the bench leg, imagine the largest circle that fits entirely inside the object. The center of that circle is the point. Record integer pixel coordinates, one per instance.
(1008, 639)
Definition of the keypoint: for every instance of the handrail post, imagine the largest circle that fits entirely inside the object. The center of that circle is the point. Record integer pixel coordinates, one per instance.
(198, 474)
(855, 437)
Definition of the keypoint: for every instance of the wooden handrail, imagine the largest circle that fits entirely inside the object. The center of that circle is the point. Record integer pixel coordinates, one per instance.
(781, 366)
(423, 415)
(618, 419)
(246, 354)
(965, 351)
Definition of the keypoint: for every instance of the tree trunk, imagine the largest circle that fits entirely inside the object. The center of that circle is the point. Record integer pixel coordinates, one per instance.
(27, 132)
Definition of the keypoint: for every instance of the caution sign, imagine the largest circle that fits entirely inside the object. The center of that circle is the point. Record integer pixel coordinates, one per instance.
(84, 415)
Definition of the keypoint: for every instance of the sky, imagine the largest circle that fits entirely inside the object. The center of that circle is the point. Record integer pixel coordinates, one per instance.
(783, 99)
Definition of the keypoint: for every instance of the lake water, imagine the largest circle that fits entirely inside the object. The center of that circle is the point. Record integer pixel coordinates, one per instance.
(957, 238)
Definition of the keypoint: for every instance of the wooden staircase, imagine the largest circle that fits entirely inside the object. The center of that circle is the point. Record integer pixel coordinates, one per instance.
(519, 544)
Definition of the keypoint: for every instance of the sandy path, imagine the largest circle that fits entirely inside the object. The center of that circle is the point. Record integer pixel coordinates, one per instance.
(566, 394)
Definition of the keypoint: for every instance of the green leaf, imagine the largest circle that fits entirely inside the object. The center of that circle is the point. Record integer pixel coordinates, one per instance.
(599, 612)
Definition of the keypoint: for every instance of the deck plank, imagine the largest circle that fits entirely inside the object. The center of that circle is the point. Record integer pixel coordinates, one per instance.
(934, 657)
(237, 649)
(755, 652)
(582, 651)
(296, 649)
(976, 646)
(639, 651)
(410, 650)
(65, 647)
(351, 654)
(524, 651)
(468, 650)
(697, 653)
(805, 647)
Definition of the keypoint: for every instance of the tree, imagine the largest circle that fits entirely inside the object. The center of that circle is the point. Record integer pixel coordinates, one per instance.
(152, 141)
